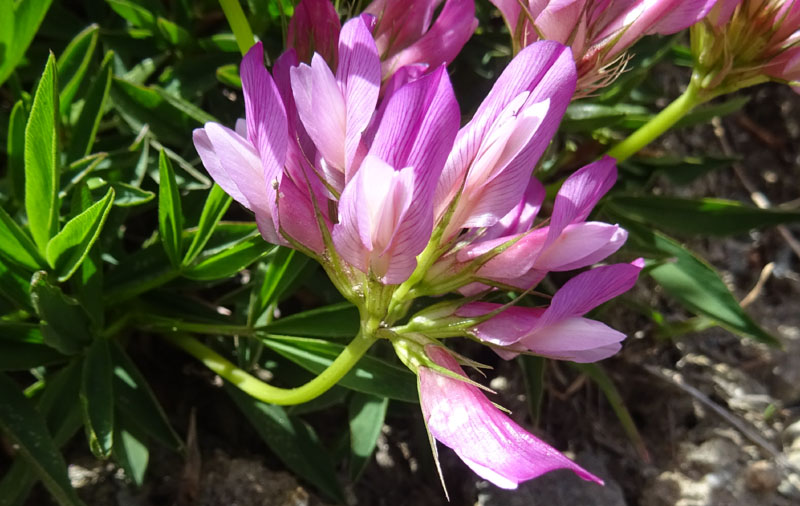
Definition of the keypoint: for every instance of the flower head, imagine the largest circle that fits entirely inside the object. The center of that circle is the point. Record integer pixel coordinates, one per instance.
(598, 31)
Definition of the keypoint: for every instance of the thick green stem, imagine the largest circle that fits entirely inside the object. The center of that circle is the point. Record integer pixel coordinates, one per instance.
(268, 393)
(239, 25)
(662, 122)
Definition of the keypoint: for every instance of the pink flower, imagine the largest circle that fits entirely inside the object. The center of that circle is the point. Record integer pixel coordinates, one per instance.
(560, 331)
(598, 31)
(314, 28)
(497, 449)
(405, 36)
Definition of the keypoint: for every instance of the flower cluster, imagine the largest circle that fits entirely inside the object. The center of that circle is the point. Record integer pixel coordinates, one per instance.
(598, 31)
(359, 161)
(746, 42)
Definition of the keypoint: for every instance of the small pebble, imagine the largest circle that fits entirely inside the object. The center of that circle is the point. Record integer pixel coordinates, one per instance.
(762, 476)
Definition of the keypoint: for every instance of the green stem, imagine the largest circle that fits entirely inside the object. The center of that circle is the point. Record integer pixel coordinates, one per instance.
(239, 25)
(662, 122)
(268, 393)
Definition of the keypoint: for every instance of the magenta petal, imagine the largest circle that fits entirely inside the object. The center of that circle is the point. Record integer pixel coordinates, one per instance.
(521, 217)
(683, 14)
(297, 216)
(591, 288)
(359, 76)
(505, 328)
(314, 27)
(399, 24)
(580, 245)
(461, 417)
(580, 193)
(264, 112)
(441, 44)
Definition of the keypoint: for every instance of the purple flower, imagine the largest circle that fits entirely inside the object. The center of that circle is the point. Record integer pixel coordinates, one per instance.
(598, 31)
(461, 417)
(314, 28)
(559, 330)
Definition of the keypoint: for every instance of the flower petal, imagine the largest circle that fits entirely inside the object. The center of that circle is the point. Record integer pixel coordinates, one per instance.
(489, 442)
(314, 27)
(563, 339)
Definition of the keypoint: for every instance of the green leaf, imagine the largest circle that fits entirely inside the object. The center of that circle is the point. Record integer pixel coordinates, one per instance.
(170, 215)
(131, 452)
(66, 251)
(27, 17)
(588, 116)
(130, 196)
(599, 376)
(17, 245)
(703, 115)
(185, 107)
(6, 30)
(65, 324)
(533, 369)
(41, 159)
(216, 205)
(680, 170)
(14, 285)
(22, 348)
(137, 402)
(229, 75)
(136, 15)
(73, 63)
(282, 269)
(694, 283)
(97, 398)
(293, 442)
(16, 150)
(139, 106)
(698, 216)
(229, 261)
(366, 414)
(20, 421)
(174, 34)
(370, 376)
(85, 130)
(336, 320)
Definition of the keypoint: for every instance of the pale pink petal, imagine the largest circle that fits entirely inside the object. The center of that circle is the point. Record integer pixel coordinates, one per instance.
(461, 417)
(722, 11)
(215, 169)
(681, 15)
(561, 340)
(580, 245)
(521, 217)
(321, 107)
(297, 216)
(359, 77)
(505, 328)
(544, 69)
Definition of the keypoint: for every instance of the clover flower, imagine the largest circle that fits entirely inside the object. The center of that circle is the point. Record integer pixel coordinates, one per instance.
(396, 201)
(598, 31)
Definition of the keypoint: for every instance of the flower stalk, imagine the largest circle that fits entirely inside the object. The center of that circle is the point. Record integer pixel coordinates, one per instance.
(241, 28)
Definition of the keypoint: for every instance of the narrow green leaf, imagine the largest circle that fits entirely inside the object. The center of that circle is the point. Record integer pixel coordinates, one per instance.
(85, 130)
(370, 376)
(15, 147)
(97, 398)
(599, 376)
(698, 216)
(137, 402)
(185, 107)
(588, 116)
(66, 251)
(175, 35)
(131, 452)
(73, 64)
(17, 245)
(694, 283)
(14, 285)
(22, 347)
(130, 196)
(136, 15)
(20, 421)
(28, 15)
(705, 114)
(293, 442)
(366, 414)
(336, 320)
(41, 159)
(229, 75)
(226, 263)
(282, 269)
(6, 30)
(533, 369)
(170, 215)
(65, 324)
(680, 170)
(216, 205)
